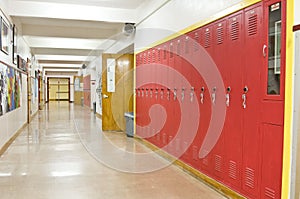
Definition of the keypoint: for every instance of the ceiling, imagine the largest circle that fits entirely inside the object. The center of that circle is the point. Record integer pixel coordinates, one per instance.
(65, 34)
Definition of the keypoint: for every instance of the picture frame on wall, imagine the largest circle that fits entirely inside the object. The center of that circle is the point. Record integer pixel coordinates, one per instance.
(4, 37)
(14, 44)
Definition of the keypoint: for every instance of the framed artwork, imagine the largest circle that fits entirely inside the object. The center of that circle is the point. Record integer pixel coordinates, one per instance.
(4, 36)
(14, 44)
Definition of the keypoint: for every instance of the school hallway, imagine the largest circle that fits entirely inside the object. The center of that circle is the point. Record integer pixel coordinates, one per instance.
(63, 154)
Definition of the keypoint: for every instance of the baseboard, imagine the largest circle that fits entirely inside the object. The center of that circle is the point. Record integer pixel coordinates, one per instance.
(11, 140)
(222, 189)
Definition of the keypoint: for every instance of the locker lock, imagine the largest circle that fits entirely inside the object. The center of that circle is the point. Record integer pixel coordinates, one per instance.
(228, 89)
(214, 89)
(202, 89)
(192, 89)
(246, 89)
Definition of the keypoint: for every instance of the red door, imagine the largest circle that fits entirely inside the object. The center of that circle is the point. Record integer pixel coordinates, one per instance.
(273, 98)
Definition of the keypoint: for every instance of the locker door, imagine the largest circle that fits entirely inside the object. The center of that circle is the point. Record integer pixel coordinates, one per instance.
(139, 59)
(273, 98)
(207, 39)
(234, 90)
(197, 82)
(252, 100)
(220, 58)
(167, 94)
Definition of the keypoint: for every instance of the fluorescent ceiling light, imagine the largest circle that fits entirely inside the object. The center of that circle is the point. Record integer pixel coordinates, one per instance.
(65, 57)
(68, 43)
(61, 70)
(62, 65)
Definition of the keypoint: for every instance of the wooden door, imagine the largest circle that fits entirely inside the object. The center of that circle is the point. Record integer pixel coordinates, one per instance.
(114, 100)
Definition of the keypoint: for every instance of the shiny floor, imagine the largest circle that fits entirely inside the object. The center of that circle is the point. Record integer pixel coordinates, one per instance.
(63, 154)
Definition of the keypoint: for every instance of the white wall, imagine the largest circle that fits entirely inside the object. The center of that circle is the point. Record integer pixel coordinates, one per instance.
(95, 70)
(175, 16)
(296, 11)
(12, 121)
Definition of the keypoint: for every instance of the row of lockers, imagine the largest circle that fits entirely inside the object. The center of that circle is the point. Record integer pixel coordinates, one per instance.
(205, 98)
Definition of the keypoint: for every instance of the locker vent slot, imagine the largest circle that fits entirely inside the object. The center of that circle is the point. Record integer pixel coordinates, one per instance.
(196, 42)
(218, 163)
(205, 161)
(252, 27)
(207, 39)
(235, 31)
(178, 48)
(232, 170)
(158, 137)
(164, 138)
(159, 55)
(249, 181)
(171, 51)
(170, 141)
(195, 152)
(177, 144)
(186, 147)
(220, 35)
(270, 193)
(187, 45)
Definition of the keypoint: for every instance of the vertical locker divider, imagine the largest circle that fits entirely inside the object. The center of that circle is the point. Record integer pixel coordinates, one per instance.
(161, 102)
(153, 73)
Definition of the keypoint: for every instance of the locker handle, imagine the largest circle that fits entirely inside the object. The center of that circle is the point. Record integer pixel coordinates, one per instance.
(213, 95)
(227, 99)
(146, 92)
(156, 93)
(151, 90)
(175, 94)
(264, 50)
(192, 94)
(142, 92)
(162, 93)
(202, 98)
(182, 94)
(168, 94)
(244, 98)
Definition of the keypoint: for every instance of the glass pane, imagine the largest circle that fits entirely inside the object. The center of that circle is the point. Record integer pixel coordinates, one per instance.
(274, 49)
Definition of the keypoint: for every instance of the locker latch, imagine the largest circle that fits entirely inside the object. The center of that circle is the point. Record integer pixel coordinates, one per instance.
(168, 94)
(162, 93)
(202, 95)
(182, 94)
(142, 92)
(151, 92)
(147, 92)
(156, 93)
(139, 92)
(175, 94)
(244, 97)
(228, 96)
(192, 94)
(213, 95)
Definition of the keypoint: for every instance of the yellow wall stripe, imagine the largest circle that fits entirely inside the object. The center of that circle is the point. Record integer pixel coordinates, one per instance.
(288, 109)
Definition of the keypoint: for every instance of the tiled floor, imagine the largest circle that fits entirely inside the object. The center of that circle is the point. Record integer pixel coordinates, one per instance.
(63, 154)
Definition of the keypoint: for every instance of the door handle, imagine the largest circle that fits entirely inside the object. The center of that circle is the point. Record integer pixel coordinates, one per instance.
(105, 96)
(264, 50)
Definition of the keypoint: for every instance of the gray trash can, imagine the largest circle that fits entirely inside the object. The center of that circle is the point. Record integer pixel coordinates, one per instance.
(94, 107)
(129, 124)
(82, 101)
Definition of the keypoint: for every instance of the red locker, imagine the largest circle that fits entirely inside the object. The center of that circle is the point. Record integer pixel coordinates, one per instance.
(219, 56)
(251, 100)
(234, 90)
(207, 40)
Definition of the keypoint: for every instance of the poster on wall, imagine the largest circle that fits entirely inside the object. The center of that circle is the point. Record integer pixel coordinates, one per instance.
(3, 89)
(111, 68)
(10, 89)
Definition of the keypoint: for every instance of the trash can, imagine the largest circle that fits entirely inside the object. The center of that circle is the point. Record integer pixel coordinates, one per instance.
(94, 107)
(82, 101)
(129, 124)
